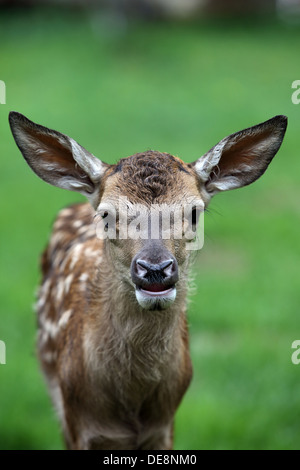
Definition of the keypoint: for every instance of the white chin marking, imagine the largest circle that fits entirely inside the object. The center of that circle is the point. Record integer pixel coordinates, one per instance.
(155, 300)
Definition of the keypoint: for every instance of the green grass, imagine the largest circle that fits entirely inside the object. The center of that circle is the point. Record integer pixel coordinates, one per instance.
(178, 88)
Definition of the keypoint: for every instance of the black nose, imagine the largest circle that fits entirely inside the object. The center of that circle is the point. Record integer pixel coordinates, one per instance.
(144, 273)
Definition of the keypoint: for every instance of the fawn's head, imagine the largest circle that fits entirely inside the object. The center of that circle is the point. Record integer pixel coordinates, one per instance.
(148, 205)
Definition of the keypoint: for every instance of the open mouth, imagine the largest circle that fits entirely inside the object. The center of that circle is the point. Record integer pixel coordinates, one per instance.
(155, 296)
(157, 290)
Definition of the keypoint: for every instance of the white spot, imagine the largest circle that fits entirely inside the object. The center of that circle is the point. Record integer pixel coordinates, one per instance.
(59, 223)
(76, 252)
(60, 291)
(40, 303)
(91, 356)
(42, 338)
(77, 223)
(83, 277)
(49, 356)
(89, 252)
(50, 328)
(64, 318)
(45, 288)
(42, 295)
(58, 257)
(66, 212)
(68, 282)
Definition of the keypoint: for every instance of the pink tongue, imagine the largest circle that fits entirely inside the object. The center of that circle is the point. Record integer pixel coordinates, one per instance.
(155, 288)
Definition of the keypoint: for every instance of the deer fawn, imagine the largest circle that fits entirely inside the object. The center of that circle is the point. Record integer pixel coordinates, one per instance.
(112, 329)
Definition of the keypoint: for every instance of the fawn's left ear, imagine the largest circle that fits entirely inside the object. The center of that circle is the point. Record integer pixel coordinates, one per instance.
(241, 158)
(57, 158)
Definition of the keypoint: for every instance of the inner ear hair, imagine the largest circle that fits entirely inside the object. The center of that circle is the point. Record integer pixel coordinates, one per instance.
(241, 158)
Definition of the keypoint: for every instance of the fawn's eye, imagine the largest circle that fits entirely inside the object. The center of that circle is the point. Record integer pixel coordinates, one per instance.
(105, 220)
(195, 217)
(103, 216)
(192, 216)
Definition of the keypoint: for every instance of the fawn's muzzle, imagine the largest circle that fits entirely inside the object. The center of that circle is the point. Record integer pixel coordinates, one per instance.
(154, 281)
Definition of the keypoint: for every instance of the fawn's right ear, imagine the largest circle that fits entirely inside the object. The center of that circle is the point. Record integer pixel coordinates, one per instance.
(56, 158)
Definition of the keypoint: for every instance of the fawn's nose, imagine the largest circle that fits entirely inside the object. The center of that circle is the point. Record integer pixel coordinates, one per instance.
(159, 276)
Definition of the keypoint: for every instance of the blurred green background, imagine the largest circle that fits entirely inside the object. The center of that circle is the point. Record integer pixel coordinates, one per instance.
(176, 86)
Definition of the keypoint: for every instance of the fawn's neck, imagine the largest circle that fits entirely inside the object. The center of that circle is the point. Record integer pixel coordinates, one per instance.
(131, 341)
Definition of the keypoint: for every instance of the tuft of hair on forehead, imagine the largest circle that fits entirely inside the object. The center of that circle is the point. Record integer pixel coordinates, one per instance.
(149, 175)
